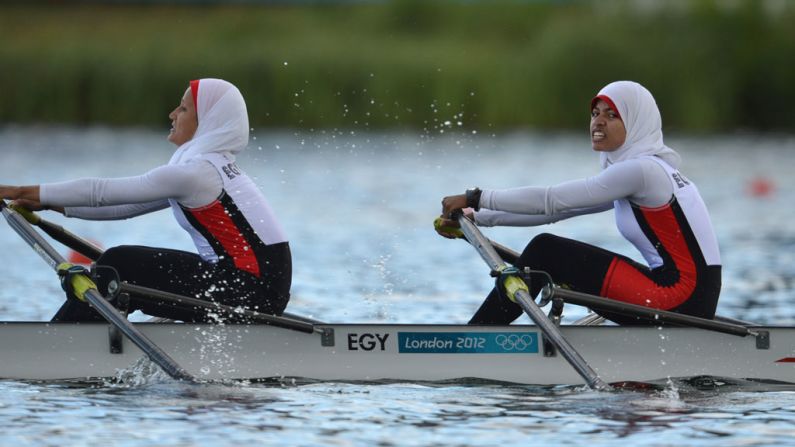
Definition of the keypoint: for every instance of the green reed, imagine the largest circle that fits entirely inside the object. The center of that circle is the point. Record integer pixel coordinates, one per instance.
(413, 63)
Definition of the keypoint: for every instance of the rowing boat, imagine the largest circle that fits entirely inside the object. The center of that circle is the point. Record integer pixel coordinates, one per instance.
(375, 352)
(270, 346)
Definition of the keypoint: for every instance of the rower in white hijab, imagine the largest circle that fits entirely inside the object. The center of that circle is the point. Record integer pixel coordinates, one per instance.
(627, 167)
(656, 208)
(641, 117)
(243, 254)
(223, 121)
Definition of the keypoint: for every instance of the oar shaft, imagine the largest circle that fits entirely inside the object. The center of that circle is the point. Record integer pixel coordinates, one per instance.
(110, 313)
(552, 333)
(61, 234)
(634, 310)
(287, 323)
(70, 240)
(505, 253)
(482, 245)
(153, 351)
(487, 252)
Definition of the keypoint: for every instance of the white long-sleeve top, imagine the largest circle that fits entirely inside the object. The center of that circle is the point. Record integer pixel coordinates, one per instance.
(193, 184)
(642, 181)
(654, 205)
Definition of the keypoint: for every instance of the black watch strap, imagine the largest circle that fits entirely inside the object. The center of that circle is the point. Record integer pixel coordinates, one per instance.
(473, 198)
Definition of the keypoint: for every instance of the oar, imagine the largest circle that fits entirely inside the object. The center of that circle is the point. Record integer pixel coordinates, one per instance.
(60, 234)
(518, 292)
(91, 251)
(85, 290)
(633, 310)
(181, 300)
(505, 253)
(718, 324)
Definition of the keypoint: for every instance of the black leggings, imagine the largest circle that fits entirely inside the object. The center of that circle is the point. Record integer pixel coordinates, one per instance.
(585, 268)
(187, 274)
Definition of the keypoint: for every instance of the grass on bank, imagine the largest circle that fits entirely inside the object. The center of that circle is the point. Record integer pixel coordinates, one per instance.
(401, 63)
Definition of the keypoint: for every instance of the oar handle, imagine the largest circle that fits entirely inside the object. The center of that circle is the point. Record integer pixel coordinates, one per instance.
(504, 252)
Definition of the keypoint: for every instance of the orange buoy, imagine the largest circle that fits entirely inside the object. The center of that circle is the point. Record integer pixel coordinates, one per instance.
(75, 257)
(761, 187)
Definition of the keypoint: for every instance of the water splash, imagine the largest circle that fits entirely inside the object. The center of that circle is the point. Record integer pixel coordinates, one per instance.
(142, 372)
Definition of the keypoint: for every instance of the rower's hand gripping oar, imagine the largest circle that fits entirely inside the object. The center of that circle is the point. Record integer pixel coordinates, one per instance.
(505, 253)
(518, 292)
(84, 289)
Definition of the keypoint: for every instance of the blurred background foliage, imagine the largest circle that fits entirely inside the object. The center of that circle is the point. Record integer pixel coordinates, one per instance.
(712, 65)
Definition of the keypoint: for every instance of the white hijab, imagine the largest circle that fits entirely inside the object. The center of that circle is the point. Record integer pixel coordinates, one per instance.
(223, 122)
(641, 118)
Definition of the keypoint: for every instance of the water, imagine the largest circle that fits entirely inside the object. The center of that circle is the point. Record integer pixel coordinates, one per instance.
(358, 209)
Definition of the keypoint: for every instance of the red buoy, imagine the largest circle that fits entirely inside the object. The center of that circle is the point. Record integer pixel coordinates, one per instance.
(761, 187)
(75, 257)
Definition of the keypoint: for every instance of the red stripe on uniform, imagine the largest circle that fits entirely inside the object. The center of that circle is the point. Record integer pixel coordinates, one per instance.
(786, 360)
(609, 277)
(218, 222)
(625, 283)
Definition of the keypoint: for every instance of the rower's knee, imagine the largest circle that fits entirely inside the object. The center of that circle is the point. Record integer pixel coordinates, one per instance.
(543, 240)
(114, 256)
(535, 250)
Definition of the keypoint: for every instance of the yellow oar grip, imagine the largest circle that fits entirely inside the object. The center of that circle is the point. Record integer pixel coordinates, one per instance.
(453, 231)
(29, 215)
(512, 285)
(80, 283)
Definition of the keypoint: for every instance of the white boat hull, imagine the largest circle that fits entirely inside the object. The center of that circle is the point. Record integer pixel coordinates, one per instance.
(65, 351)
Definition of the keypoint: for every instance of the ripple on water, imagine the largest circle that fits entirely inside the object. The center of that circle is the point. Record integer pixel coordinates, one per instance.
(370, 255)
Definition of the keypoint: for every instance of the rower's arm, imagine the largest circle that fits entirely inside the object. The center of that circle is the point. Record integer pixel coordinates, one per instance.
(625, 180)
(491, 218)
(116, 212)
(193, 184)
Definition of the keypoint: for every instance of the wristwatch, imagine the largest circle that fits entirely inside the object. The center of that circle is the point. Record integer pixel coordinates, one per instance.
(473, 198)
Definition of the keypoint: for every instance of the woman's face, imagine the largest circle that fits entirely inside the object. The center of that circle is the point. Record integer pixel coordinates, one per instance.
(607, 130)
(183, 120)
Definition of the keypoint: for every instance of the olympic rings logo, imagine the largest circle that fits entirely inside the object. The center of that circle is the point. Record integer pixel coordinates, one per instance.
(514, 342)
